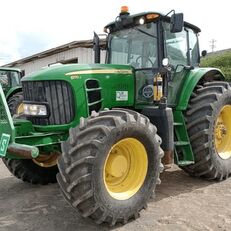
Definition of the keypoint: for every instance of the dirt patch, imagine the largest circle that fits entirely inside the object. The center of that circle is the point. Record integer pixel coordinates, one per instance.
(181, 203)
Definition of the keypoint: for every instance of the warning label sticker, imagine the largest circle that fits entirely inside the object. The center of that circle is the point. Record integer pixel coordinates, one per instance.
(121, 95)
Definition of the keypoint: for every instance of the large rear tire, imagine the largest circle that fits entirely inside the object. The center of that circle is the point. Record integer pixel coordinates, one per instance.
(208, 121)
(15, 104)
(110, 166)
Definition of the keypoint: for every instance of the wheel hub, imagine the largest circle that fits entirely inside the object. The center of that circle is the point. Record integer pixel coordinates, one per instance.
(47, 161)
(117, 165)
(125, 168)
(222, 132)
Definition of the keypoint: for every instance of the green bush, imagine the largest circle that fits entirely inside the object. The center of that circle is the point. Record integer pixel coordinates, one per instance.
(221, 61)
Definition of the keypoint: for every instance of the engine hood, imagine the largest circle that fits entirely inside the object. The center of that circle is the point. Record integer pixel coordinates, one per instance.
(72, 71)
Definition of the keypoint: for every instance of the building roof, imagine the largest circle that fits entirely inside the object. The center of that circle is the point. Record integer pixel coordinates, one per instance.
(74, 44)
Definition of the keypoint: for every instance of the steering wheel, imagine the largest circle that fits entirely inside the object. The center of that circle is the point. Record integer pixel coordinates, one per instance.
(146, 57)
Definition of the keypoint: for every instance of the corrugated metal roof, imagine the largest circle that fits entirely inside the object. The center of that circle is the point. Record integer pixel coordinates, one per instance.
(74, 44)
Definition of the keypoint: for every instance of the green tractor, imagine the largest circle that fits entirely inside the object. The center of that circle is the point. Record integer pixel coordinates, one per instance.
(107, 130)
(10, 79)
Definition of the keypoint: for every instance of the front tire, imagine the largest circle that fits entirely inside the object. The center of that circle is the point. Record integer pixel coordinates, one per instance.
(209, 128)
(41, 170)
(110, 166)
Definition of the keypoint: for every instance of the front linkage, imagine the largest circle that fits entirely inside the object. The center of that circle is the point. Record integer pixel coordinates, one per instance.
(29, 155)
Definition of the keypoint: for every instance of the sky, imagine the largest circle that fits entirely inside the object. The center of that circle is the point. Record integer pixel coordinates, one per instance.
(29, 27)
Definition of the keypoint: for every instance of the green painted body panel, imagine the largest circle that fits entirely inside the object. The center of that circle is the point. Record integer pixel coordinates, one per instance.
(12, 91)
(6, 122)
(117, 86)
(111, 78)
(183, 83)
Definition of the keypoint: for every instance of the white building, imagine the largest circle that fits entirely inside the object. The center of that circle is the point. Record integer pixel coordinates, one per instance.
(74, 52)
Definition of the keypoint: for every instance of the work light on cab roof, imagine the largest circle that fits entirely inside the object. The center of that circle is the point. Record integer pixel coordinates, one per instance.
(124, 19)
(124, 10)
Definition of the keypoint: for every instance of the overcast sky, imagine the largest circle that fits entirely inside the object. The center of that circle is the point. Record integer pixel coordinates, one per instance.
(29, 27)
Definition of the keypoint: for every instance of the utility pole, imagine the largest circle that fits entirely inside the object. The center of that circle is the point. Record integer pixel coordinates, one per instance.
(213, 44)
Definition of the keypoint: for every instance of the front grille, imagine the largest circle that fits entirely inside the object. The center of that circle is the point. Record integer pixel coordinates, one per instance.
(57, 94)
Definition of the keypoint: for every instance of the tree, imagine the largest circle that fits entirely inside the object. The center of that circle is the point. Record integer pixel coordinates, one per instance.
(221, 61)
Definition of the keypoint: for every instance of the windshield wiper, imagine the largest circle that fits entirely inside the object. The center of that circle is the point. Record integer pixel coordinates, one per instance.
(144, 32)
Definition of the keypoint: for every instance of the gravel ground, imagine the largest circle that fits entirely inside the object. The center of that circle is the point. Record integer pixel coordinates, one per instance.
(181, 203)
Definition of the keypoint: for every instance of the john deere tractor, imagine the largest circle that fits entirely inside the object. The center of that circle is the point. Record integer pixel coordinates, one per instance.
(112, 127)
(10, 79)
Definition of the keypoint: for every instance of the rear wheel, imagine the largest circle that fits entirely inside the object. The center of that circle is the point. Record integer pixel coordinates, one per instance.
(110, 166)
(209, 128)
(41, 170)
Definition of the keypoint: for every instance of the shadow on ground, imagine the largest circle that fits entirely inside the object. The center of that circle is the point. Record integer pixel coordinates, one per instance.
(175, 182)
(32, 207)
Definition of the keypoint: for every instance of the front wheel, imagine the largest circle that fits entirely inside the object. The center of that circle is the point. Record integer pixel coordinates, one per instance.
(110, 166)
(208, 121)
(41, 170)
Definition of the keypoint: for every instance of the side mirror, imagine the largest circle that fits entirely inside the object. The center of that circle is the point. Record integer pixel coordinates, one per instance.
(176, 23)
(96, 48)
(22, 73)
(203, 53)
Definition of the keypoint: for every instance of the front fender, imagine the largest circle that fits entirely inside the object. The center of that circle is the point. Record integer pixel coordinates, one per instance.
(13, 90)
(191, 80)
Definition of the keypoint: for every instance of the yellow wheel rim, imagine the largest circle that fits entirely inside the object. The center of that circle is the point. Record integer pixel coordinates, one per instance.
(20, 109)
(222, 133)
(47, 161)
(125, 168)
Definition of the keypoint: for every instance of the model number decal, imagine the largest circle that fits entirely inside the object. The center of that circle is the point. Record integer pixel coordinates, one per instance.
(121, 95)
(4, 141)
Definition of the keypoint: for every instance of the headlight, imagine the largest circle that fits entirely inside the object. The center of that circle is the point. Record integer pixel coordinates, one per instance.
(35, 109)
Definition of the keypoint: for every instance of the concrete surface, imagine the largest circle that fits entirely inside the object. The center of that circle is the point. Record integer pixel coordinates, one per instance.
(182, 203)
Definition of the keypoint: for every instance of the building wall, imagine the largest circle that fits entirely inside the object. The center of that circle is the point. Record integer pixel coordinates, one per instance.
(83, 55)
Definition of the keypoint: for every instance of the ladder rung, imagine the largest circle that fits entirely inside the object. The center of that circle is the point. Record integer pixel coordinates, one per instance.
(185, 162)
(177, 124)
(181, 143)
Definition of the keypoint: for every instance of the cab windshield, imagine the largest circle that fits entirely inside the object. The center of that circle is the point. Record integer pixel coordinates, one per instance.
(10, 78)
(135, 46)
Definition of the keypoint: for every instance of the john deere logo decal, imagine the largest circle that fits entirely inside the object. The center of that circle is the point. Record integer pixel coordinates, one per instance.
(4, 144)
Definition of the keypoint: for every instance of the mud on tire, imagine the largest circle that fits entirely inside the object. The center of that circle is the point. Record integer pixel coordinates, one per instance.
(81, 166)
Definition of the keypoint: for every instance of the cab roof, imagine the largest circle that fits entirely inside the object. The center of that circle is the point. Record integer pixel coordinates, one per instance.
(10, 69)
(161, 17)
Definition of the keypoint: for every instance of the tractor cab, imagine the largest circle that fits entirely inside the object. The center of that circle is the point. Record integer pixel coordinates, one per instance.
(10, 78)
(148, 40)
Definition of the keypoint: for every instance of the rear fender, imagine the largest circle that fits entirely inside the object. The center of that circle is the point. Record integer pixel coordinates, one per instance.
(192, 78)
(13, 91)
